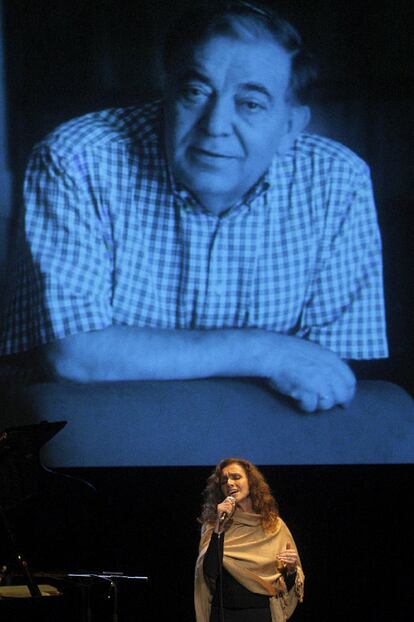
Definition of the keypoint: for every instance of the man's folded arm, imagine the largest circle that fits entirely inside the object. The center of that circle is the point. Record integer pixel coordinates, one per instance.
(295, 367)
(131, 353)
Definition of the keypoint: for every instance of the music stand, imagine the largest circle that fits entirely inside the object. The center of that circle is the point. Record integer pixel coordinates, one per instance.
(112, 578)
(19, 480)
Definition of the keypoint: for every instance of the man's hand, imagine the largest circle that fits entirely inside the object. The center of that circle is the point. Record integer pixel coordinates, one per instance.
(312, 375)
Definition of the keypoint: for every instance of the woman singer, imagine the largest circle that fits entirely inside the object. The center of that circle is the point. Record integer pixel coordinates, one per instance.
(248, 568)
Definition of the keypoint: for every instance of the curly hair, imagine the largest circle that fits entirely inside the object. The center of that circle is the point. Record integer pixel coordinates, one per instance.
(262, 499)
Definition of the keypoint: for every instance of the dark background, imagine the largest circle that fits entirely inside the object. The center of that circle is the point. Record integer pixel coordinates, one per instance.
(65, 58)
(352, 525)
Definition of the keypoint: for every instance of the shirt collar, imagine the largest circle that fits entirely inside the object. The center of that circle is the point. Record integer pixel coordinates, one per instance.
(187, 200)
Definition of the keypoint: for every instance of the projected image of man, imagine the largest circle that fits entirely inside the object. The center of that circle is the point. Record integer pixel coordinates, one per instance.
(207, 233)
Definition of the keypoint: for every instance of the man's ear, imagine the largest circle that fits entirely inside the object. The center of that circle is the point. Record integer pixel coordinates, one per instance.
(299, 118)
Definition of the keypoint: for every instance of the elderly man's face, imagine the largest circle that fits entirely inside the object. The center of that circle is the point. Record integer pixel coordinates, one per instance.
(227, 114)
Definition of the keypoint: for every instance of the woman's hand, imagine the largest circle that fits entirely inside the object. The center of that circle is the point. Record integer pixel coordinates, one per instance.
(226, 507)
(289, 558)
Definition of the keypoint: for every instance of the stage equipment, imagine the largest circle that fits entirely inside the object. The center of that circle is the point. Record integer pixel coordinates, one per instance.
(19, 480)
(22, 477)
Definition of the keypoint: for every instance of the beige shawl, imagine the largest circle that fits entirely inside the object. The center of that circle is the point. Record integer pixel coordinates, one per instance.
(250, 557)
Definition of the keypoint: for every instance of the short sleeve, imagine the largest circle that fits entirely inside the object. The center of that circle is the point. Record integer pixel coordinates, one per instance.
(345, 309)
(61, 278)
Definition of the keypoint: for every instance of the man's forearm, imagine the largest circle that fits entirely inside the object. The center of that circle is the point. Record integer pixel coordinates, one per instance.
(129, 353)
(310, 374)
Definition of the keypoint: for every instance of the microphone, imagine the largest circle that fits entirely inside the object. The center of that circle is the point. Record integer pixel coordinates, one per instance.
(224, 515)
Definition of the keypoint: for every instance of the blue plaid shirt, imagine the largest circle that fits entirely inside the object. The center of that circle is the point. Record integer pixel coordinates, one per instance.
(109, 238)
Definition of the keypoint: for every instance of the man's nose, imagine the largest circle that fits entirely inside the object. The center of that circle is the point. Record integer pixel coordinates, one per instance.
(217, 117)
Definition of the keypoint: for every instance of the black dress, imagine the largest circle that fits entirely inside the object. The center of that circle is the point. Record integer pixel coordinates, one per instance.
(237, 603)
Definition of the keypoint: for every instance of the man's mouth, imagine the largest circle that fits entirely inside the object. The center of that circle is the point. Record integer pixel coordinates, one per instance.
(206, 153)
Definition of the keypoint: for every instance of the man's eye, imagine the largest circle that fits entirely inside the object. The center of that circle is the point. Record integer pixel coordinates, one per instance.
(252, 106)
(194, 93)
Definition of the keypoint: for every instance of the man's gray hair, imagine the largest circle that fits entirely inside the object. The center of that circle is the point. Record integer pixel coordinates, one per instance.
(241, 19)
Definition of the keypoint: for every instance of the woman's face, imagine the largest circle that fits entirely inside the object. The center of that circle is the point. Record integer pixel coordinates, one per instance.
(234, 483)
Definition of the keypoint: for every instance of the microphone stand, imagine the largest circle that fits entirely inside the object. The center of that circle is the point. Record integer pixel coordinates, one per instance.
(220, 571)
(221, 520)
